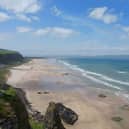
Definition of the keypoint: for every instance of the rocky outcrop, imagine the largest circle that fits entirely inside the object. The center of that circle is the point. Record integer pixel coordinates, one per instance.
(52, 119)
(56, 112)
(13, 113)
(66, 114)
(9, 123)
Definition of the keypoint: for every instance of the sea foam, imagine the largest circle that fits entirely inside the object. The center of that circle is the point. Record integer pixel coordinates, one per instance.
(97, 77)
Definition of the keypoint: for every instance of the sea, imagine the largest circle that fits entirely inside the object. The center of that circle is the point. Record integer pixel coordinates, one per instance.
(103, 73)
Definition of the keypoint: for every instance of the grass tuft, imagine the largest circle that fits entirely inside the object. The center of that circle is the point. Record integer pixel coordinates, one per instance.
(36, 125)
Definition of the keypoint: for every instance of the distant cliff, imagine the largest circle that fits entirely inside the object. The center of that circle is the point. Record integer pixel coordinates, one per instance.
(10, 57)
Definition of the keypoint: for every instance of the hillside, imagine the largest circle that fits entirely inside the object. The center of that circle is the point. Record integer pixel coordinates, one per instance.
(10, 57)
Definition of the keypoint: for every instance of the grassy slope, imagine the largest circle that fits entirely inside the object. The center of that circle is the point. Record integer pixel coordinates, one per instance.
(10, 57)
(2, 51)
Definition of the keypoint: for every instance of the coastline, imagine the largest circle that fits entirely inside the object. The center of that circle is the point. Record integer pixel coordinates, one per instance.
(44, 81)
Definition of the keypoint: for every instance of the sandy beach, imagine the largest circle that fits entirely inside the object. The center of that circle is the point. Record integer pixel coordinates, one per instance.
(59, 84)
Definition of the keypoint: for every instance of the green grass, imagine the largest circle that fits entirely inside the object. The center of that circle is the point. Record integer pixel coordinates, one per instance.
(10, 92)
(3, 75)
(5, 109)
(5, 106)
(11, 98)
(6, 51)
(36, 125)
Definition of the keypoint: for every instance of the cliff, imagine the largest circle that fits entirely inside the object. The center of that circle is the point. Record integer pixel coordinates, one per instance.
(13, 113)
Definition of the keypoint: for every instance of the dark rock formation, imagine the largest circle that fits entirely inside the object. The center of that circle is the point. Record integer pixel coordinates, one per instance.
(117, 118)
(125, 107)
(57, 112)
(13, 113)
(66, 114)
(21, 113)
(4, 86)
(102, 95)
(37, 116)
(52, 119)
(9, 123)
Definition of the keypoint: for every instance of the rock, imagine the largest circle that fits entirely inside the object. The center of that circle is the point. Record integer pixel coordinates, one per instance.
(9, 123)
(46, 92)
(52, 119)
(117, 118)
(125, 107)
(65, 74)
(4, 86)
(66, 114)
(37, 116)
(1, 94)
(102, 96)
(39, 92)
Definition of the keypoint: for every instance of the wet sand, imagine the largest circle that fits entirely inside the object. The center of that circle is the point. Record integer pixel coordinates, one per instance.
(44, 81)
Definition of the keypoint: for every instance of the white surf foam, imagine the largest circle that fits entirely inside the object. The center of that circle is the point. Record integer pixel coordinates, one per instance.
(122, 94)
(121, 72)
(89, 75)
(103, 77)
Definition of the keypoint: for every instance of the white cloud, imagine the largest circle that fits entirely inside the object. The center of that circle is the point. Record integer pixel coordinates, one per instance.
(4, 17)
(20, 9)
(26, 18)
(55, 11)
(126, 31)
(48, 31)
(55, 31)
(23, 29)
(35, 18)
(23, 17)
(103, 14)
(20, 6)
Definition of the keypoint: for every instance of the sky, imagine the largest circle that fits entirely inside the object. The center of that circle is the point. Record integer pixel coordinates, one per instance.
(65, 27)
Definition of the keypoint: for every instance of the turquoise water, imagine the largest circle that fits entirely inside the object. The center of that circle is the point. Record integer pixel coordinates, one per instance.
(111, 73)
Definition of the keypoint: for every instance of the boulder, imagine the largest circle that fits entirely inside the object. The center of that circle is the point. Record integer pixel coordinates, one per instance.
(37, 116)
(52, 119)
(66, 114)
(57, 112)
(102, 95)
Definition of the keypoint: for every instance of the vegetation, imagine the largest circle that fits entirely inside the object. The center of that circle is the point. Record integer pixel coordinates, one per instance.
(35, 124)
(10, 57)
(11, 106)
(4, 72)
(2, 51)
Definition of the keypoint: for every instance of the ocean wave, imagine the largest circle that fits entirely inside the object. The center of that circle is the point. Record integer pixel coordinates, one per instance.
(101, 82)
(122, 94)
(103, 77)
(89, 75)
(121, 72)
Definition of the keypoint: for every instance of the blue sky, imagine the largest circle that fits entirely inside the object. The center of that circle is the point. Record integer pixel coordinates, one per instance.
(65, 27)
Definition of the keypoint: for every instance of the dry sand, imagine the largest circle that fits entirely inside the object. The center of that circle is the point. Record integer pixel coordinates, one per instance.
(94, 112)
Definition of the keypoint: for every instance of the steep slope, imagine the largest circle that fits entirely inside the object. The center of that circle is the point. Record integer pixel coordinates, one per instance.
(10, 57)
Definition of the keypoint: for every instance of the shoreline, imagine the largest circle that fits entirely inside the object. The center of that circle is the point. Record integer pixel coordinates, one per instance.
(44, 81)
